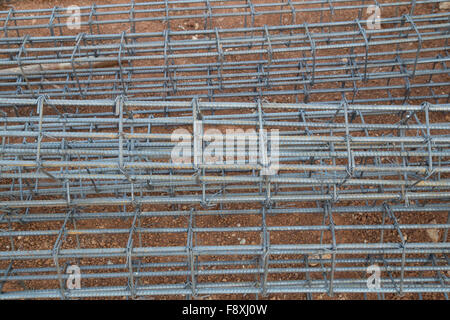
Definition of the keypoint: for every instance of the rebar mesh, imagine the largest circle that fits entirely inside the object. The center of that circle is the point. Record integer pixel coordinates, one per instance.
(62, 167)
(170, 14)
(404, 61)
(90, 118)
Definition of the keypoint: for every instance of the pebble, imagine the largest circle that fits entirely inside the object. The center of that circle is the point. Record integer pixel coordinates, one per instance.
(242, 241)
(433, 233)
(313, 264)
(326, 256)
(444, 5)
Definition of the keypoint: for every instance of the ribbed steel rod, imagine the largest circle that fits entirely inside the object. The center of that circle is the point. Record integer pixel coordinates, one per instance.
(408, 54)
(307, 199)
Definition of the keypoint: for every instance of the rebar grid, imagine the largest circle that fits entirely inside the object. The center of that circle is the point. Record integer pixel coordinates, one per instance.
(404, 61)
(211, 228)
(206, 14)
(93, 183)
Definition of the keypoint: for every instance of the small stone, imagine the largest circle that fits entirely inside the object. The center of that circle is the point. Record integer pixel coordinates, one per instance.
(444, 5)
(238, 225)
(196, 26)
(242, 241)
(326, 256)
(315, 257)
(233, 234)
(195, 37)
(19, 237)
(433, 233)
(109, 262)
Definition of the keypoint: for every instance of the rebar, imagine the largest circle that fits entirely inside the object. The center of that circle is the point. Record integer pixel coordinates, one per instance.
(405, 61)
(70, 161)
(315, 149)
